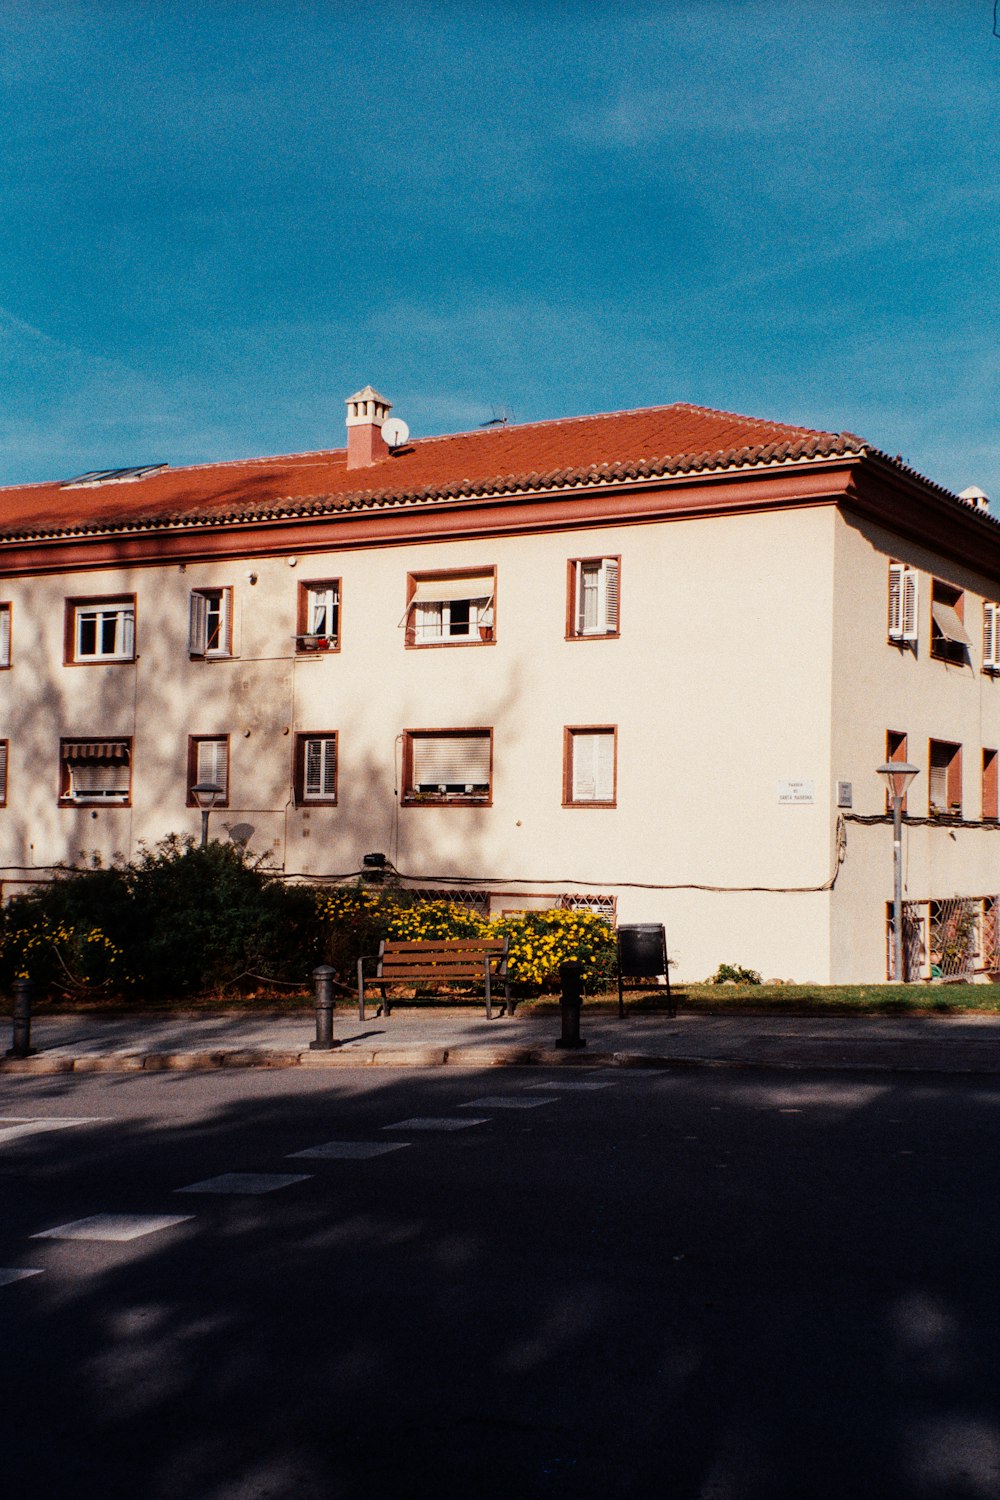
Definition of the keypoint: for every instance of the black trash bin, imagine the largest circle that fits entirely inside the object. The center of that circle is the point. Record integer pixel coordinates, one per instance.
(642, 954)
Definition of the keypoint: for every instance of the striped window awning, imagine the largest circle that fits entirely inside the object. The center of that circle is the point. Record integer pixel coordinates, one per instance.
(95, 750)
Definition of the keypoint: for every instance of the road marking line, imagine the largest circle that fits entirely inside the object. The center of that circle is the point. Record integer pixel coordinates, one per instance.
(429, 1122)
(113, 1227)
(349, 1150)
(245, 1182)
(498, 1102)
(574, 1083)
(10, 1274)
(12, 1127)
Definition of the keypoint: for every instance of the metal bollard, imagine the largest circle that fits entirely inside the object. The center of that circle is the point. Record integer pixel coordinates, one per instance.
(23, 990)
(570, 1001)
(323, 979)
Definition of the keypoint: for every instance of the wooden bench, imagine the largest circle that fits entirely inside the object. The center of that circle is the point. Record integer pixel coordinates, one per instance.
(426, 965)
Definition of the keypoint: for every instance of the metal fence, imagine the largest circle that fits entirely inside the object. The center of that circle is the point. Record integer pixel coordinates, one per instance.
(954, 937)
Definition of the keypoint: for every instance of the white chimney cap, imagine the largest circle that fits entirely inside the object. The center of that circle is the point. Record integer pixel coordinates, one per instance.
(975, 497)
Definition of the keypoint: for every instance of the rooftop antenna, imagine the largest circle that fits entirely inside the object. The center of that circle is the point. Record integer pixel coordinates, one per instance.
(504, 417)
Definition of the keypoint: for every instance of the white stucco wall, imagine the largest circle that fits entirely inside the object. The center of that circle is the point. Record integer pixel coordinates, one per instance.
(880, 686)
(720, 684)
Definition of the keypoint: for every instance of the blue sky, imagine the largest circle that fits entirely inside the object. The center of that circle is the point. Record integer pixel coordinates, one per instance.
(220, 219)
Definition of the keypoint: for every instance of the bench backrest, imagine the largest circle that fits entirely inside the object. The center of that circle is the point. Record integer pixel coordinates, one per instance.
(451, 958)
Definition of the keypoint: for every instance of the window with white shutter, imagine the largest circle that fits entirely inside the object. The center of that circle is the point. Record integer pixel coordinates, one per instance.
(95, 771)
(991, 637)
(208, 764)
(589, 767)
(452, 765)
(902, 603)
(210, 624)
(593, 597)
(4, 635)
(101, 630)
(316, 768)
(4, 757)
(448, 609)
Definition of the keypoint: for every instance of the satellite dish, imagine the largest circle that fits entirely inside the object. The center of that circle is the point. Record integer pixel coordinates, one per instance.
(395, 432)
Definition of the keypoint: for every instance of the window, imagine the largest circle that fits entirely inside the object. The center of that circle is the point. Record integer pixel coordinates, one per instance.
(316, 768)
(94, 771)
(210, 630)
(902, 603)
(318, 626)
(990, 807)
(100, 629)
(945, 779)
(991, 637)
(450, 608)
(447, 765)
(4, 635)
(208, 761)
(949, 638)
(589, 765)
(592, 602)
(895, 749)
(4, 757)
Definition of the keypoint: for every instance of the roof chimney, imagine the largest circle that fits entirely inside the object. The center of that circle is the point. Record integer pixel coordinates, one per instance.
(366, 411)
(975, 497)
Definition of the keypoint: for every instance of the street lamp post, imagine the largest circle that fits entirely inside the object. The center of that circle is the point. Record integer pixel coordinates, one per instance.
(206, 794)
(898, 775)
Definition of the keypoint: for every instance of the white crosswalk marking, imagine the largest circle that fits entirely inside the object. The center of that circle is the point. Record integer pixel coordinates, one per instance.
(349, 1150)
(568, 1084)
(12, 1127)
(10, 1274)
(113, 1227)
(429, 1122)
(245, 1182)
(499, 1102)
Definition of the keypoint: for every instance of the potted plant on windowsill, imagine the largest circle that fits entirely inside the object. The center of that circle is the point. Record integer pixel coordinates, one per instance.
(308, 642)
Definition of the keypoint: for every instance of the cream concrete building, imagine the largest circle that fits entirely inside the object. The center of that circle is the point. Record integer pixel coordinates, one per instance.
(647, 661)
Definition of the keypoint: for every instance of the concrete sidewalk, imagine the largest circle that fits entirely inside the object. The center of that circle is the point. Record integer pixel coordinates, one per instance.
(464, 1038)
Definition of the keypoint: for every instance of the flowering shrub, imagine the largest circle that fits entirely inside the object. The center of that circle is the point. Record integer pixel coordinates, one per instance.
(73, 958)
(357, 918)
(436, 921)
(539, 941)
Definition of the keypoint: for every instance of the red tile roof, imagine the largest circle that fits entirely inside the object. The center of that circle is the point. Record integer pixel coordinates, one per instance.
(570, 451)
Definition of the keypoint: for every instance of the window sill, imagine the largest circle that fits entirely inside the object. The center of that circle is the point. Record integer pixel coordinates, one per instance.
(415, 800)
(101, 661)
(594, 803)
(460, 640)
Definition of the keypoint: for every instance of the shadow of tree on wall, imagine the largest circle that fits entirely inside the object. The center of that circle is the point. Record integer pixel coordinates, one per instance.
(641, 1304)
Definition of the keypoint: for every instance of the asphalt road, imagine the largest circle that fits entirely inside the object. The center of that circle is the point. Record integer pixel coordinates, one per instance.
(717, 1286)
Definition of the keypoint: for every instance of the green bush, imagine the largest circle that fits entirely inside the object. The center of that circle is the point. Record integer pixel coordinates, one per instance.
(733, 974)
(179, 920)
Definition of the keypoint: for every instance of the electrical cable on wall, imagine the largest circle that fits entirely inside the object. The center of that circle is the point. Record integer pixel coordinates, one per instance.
(566, 881)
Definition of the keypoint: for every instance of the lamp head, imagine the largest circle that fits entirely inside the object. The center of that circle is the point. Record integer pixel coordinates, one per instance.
(898, 775)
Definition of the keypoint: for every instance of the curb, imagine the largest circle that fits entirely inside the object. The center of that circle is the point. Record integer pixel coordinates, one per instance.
(42, 1063)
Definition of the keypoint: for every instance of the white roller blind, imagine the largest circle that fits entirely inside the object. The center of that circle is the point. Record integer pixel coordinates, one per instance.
(211, 763)
(948, 623)
(452, 760)
(443, 590)
(4, 635)
(99, 778)
(594, 766)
